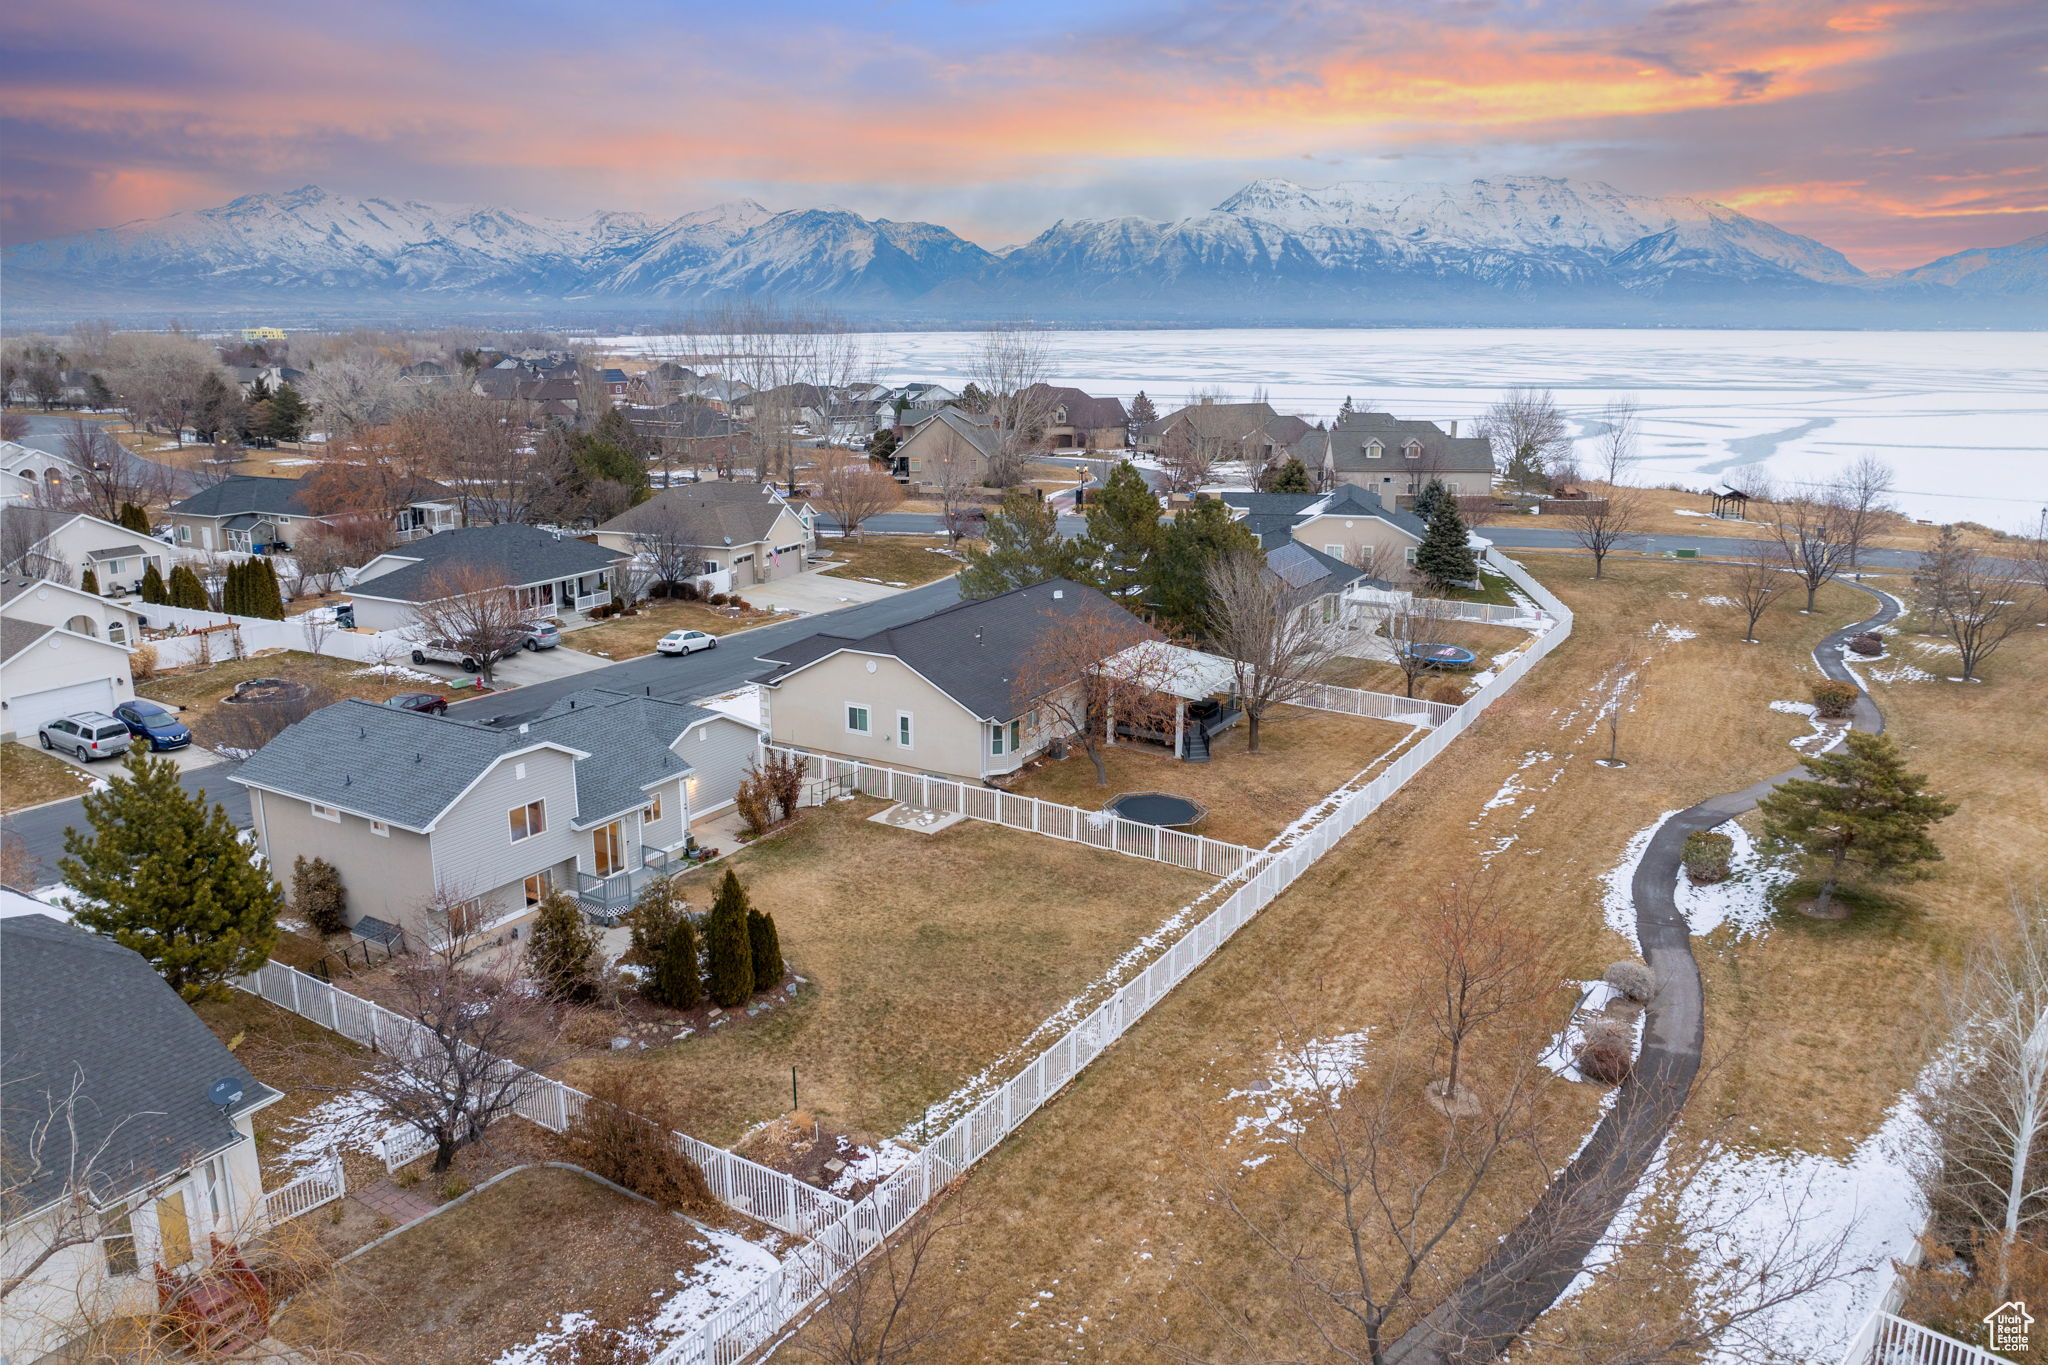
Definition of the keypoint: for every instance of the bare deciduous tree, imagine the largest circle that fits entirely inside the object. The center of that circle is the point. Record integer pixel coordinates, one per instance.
(1527, 433)
(1754, 580)
(1812, 532)
(1602, 525)
(357, 387)
(1278, 637)
(1409, 622)
(1863, 493)
(1014, 368)
(1483, 966)
(1187, 461)
(1980, 603)
(1086, 673)
(108, 476)
(895, 1306)
(851, 489)
(470, 609)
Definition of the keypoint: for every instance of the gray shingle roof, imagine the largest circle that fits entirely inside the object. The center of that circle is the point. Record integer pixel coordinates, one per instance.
(245, 493)
(518, 555)
(972, 651)
(1272, 517)
(723, 512)
(1441, 452)
(16, 636)
(74, 1005)
(407, 768)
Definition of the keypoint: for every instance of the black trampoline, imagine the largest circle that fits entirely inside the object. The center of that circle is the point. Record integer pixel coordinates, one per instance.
(1157, 808)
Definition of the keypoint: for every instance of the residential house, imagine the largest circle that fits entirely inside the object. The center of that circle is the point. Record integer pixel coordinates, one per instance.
(1249, 432)
(554, 575)
(1395, 457)
(925, 396)
(1349, 525)
(423, 814)
(745, 529)
(615, 382)
(258, 514)
(685, 426)
(121, 1100)
(47, 542)
(939, 694)
(949, 439)
(62, 650)
(37, 476)
(1076, 418)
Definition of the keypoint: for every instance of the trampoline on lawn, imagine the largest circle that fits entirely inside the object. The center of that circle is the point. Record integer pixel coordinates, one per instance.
(1157, 808)
(1442, 656)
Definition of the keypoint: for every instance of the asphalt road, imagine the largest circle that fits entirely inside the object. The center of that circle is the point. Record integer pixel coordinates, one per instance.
(42, 828)
(46, 431)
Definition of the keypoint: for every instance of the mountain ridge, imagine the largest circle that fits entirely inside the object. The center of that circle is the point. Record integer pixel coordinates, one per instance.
(1505, 249)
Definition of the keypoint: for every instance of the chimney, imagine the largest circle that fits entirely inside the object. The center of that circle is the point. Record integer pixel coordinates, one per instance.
(1454, 426)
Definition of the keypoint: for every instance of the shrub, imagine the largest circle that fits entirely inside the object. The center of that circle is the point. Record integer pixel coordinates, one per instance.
(153, 589)
(756, 804)
(89, 582)
(766, 947)
(783, 777)
(650, 919)
(142, 662)
(1835, 700)
(1450, 693)
(559, 948)
(739, 603)
(1706, 856)
(1633, 979)
(675, 981)
(728, 948)
(1869, 644)
(623, 1134)
(454, 1187)
(317, 894)
(717, 599)
(1607, 1054)
(687, 591)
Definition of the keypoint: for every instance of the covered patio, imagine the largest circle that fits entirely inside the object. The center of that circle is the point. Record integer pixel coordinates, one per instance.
(1195, 680)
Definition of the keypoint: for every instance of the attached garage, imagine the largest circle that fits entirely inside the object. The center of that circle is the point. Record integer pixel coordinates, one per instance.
(28, 714)
(47, 671)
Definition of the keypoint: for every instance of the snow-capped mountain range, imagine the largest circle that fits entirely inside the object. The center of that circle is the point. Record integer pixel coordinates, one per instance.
(1521, 249)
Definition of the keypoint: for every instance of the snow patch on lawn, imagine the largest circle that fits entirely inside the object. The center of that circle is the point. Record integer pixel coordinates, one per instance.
(1666, 630)
(1935, 647)
(1617, 899)
(352, 1121)
(397, 673)
(1741, 901)
(1719, 601)
(1823, 734)
(868, 1165)
(1514, 787)
(1745, 1206)
(744, 704)
(1561, 1057)
(1297, 1078)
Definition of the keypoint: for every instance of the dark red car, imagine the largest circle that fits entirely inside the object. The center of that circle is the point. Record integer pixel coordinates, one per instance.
(427, 702)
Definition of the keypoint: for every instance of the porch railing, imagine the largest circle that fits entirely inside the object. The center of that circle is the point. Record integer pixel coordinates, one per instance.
(608, 898)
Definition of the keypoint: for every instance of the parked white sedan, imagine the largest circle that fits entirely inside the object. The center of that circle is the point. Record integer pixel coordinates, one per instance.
(685, 642)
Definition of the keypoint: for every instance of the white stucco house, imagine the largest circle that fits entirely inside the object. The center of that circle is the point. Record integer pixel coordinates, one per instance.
(62, 650)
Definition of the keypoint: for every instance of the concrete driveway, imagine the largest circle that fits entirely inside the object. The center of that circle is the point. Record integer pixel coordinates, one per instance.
(185, 760)
(815, 592)
(526, 667)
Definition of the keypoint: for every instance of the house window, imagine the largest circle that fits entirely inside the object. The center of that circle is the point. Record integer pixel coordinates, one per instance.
(607, 849)
(117, 632)
(1006, 739)
(529, 820)
(1408, 555)
(1413, 450)
(220, 1200)
(380, 829)
(995, 741)
(537, 887)
(1334, 551)
(857, 720)
(325, 812)
(1373, 450)
(652, 815)
(1016, 735)
(903, 728)
(184, 535)
(117, 1243)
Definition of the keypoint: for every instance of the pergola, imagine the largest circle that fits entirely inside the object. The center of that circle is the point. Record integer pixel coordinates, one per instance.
(1183, 673)
(1730, 502)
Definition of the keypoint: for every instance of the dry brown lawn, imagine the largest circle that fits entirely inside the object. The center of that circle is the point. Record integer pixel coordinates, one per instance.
(197, 692)
(29, 777)
(907, 560)
(498, 1270)
(1096, 1201)
(629, 637)
(1664, 513)
(1304, 755)
(1486, 641)
(929, 956)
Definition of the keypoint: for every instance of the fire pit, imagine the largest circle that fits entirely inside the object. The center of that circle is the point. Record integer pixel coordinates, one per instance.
(266, 690)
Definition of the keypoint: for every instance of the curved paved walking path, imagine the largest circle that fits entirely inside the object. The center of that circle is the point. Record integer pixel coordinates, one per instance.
(1546, 1250)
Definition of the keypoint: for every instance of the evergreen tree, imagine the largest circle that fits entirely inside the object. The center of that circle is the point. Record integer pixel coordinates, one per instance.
(1023, 546)
(1291, 477)
(1934, 580)
(1859, 810)
(1432, 493)
(675, 981)
(882, 445)
(765, 946)
(1347, 410)
(89, 582)
(728, 948)
(1200, 536)
(655, 912)
(1142, 410)
(153, 584)
(286, 419)
(266, 594)
(134, 518)
(186, 590)
(973, 399)
(1124, 532)
(160, 871)
(1445, 555)
(231, 590)
(559, 948)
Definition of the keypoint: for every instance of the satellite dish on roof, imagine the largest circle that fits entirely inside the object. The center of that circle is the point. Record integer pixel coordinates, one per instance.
(225, 1092)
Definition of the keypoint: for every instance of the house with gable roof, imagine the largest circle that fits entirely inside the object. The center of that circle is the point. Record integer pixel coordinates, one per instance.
(1395, 457)
(553, 575)
(748, 529)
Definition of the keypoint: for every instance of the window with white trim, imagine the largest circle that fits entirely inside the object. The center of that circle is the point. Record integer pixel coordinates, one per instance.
(1373, 450)
(117, 1242)
(380, 829)
(325, 812)
(537, 887)
(904, 729)
(1408, 554)
(653, 812)
(1334, 551)
(857, 720)
(528, 820)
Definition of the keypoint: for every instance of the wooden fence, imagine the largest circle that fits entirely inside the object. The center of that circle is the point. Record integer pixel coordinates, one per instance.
(745, 1322)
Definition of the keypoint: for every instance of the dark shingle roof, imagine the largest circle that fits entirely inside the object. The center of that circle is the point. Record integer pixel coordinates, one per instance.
(407, 768)
(1441, 452)
(1085, 411)
(16, 636)
(1272, 517)
(719, 513)
(77, 1007)
(972, 651)
(517, 554)
(245, 493)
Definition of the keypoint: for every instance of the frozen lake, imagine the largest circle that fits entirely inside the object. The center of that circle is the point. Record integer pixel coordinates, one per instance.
(1962, 416)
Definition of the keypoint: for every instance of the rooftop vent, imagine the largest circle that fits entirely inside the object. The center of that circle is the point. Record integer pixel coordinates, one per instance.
(522, 727)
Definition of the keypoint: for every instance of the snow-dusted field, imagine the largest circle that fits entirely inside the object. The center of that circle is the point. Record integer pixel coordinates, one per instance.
(1962, 416)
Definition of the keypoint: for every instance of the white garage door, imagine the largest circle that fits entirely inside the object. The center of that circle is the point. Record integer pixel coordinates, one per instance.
(27, 712)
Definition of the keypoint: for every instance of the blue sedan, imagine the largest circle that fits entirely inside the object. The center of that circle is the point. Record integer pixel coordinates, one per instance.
(147, 720)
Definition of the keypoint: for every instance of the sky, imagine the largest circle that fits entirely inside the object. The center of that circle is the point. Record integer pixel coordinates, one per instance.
(1893, 130)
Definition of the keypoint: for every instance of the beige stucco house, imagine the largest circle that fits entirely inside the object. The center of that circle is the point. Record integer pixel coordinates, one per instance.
(552, 575)
(746, 530)
(1348, 523)
(1394, 457)
(951, 444)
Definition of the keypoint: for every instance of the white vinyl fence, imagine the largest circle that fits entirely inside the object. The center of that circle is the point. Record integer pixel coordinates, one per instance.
(747, 1321)
(1095, 828)
(1888, 1340)
(322, 1185)
(1352, 701)
(753, 1189)
(259, 633)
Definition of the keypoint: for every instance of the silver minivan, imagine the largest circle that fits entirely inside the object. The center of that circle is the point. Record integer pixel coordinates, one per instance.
(87, 735)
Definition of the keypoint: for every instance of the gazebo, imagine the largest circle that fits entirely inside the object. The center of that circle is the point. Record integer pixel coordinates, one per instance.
(1730, 502)
(1189, 675)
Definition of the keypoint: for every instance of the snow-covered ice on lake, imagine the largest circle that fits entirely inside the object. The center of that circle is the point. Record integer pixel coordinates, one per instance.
(1962, 416)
